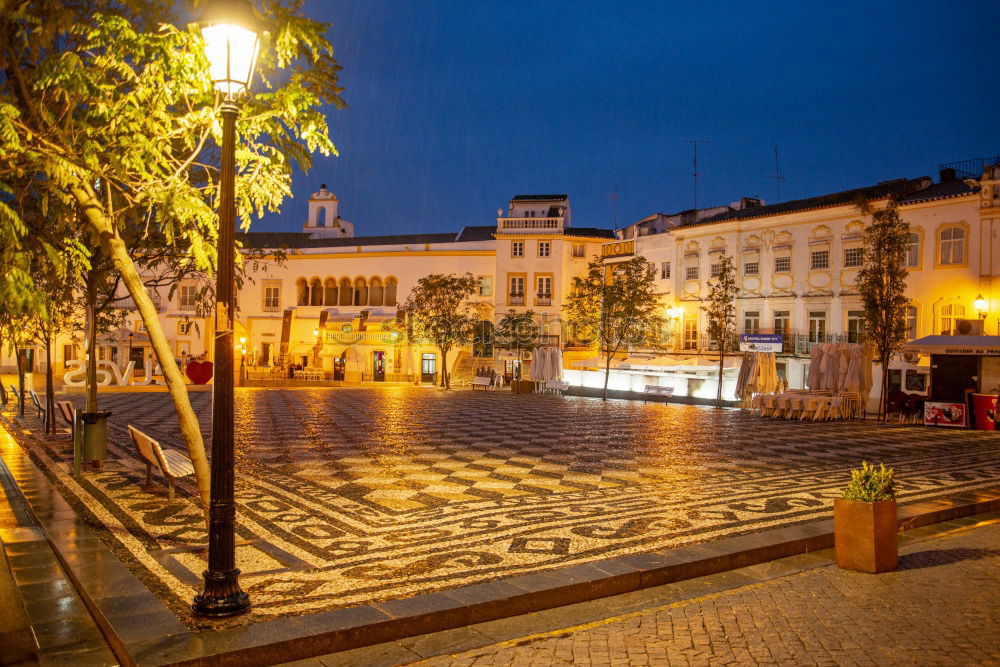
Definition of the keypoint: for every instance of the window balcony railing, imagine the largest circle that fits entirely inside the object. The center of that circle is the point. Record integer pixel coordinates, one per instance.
(529, 223)
(543, 300)
(271, 308)
(128, 303)
(516, 299)
(188, 307)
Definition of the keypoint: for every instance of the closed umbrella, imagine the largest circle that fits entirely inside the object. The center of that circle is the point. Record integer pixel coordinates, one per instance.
(557, 364)
(815, 370)
(843, 362)
(770, 366)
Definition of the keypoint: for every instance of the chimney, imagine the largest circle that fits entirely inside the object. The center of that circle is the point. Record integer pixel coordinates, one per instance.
(947, 174)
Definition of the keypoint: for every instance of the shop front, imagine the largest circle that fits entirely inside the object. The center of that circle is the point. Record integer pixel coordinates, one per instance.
(964, 380)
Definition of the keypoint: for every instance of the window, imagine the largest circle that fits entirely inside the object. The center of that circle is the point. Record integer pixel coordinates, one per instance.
(751, 268)
(854, 257)
(855, 326)
(544, 296)
(691, 273)
(817, 326)
(69, 353)
(820, 259)
(651, 271)
(579, 250)
(517, 290)
(517, 249)
(716, 270)
(751, 322)
(911, 323)
(690, 334)
(782, 264)
(485, 286)
(186, 297)
(184, 327)
(782, 322)
(664, 270)
(140, 326)
(544, 248)
(913, 250)
(949, 316)
(953, 246)
(272, 297)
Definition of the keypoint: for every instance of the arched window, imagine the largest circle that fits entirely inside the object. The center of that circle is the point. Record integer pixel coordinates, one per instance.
(375, 293)
(315, 292)
(390, 292)
(302, 292)
(360, 292)
(913, 250)
(320, 217)
(346, 292)
(330, 292)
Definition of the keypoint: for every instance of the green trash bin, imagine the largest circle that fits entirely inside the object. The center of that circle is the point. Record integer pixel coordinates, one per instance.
(95, 435)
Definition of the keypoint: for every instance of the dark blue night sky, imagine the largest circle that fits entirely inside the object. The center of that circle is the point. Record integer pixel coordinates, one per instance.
(455, 106)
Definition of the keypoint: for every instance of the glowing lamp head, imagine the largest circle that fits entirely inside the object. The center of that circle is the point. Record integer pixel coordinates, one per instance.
(979, 303)
(232, 34)
(315, 332)
(675, 313)
(243, 340)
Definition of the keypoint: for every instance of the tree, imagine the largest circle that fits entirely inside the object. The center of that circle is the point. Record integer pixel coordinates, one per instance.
(616, 306)
(441, 311)
(516, 331)
(721, 309)
(882, 284)
(108, 107)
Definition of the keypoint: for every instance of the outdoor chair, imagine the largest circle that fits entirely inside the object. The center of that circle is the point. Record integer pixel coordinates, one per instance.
(171, 463)
(66, 410)
(912, 409)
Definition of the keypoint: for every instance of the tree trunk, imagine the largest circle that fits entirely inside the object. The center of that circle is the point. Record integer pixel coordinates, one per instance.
(445, 378)
(607, 373)
(91, 333)
(19, 355)
(50, 397)
(722, 361)
(884, 392)
(188, 420)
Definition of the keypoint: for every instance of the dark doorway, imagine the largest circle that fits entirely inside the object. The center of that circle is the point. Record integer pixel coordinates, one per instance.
(265, 354)
(378, 366)
(138, 355)
(482, 343)
(428, 367)
(339, 364)
(951, 375)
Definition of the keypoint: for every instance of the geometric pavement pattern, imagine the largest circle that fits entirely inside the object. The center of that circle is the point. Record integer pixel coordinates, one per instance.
(348, 496)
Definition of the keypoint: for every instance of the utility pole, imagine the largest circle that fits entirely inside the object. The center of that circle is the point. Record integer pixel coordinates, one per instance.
(694, 144)
(778, 178)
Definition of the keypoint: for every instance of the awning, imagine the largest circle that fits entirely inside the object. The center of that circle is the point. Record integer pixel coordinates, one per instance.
(333, 315)
(979, 346)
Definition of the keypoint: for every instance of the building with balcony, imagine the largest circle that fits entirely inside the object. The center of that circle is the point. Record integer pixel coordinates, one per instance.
(797, 263)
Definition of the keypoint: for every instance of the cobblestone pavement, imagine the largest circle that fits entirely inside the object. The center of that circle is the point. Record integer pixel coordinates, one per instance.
(942, 606)
(357, 495)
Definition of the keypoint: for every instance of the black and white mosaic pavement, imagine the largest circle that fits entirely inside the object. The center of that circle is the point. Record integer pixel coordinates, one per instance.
(355, 495)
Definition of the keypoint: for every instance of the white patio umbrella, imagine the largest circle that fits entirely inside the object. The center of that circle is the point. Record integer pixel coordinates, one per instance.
(843, 363)
(557, 364)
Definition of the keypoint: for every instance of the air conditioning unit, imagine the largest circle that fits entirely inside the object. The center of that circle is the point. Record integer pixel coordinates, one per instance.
(911, 357)
(969, 327)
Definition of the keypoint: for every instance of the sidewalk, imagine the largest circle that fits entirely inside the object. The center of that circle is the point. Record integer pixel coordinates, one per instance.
(942, 606)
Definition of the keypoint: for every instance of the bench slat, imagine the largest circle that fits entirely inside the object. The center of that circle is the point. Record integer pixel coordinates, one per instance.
(180, 465)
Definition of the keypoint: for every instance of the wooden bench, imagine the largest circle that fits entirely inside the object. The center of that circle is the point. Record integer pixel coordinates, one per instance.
(481, 381)
(17, 395)
(656, 390)
(172, 464)
(3, 395)
(41, 411)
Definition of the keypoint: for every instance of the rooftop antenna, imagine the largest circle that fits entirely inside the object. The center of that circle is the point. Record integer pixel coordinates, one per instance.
(694, 144)
(778, 178)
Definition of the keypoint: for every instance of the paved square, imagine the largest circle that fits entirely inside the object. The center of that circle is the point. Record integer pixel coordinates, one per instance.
(354, 495)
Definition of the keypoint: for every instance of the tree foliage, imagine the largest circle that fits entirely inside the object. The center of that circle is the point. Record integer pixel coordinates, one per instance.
(721, 312)
(616, 306)
(882, 284)
(516, 330)
(441, 310)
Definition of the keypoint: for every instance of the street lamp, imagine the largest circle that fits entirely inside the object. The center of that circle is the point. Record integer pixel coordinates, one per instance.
(232, 33)
(980, 305)
(243, 359)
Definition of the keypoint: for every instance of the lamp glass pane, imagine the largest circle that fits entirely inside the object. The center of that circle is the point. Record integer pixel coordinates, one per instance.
(232, 53)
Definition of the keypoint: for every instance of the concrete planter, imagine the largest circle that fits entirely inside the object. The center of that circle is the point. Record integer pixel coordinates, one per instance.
(865, 535)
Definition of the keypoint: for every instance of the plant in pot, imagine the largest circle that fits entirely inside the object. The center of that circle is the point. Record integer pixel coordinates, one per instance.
(864, 521)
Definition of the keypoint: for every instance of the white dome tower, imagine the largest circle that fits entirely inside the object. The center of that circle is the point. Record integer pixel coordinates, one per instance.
(324, 221)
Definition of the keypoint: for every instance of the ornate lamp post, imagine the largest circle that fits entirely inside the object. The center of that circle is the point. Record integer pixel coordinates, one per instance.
(231, 31)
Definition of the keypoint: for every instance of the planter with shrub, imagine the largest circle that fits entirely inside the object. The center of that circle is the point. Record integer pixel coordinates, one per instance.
(864, 521)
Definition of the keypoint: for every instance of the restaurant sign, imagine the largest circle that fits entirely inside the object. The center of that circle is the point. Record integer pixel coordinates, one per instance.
(761, 342)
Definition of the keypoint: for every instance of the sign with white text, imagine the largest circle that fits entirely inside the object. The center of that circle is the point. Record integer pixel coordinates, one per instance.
(761, 342)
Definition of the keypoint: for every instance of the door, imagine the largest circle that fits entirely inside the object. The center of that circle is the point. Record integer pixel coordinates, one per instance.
(951, 375)
(339, 364)
(265, 354)
(378, 366)
(137, 354)
(428, 367)
(482, 343)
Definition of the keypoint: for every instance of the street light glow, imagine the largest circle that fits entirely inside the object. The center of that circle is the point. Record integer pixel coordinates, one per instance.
(232, 51)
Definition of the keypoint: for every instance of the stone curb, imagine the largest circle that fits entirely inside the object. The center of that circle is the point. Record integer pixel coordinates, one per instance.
(141, 630)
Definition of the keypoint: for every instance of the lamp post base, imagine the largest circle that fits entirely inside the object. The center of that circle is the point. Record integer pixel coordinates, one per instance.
(222, 597)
